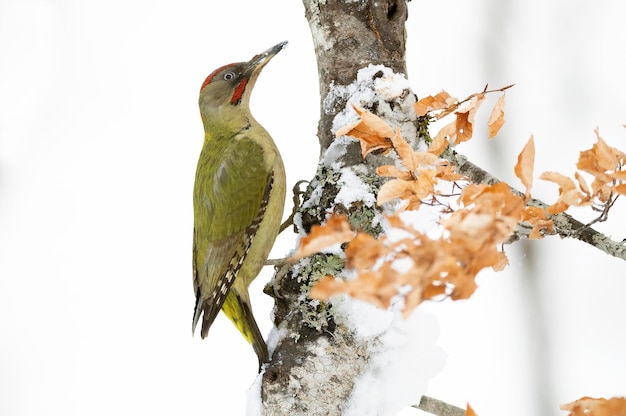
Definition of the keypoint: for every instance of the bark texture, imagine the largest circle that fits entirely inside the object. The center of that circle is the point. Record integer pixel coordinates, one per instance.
(316, 360)
(349, 36)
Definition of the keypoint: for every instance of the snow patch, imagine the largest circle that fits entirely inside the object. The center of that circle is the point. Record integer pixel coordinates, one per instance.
(274, 337)
(403, 265)
(391, 85)
(353, 189)
(297, 222)
(424, 220)
(363, 319)
(314, 198)
(374, 83)
(335, 152)
(254, 404)
(404, 356)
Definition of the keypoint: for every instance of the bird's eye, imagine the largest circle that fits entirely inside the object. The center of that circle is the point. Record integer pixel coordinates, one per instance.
(229, 75)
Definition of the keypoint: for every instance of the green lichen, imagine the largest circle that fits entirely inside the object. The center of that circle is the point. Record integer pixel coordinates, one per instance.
(422, 128)
(362, 218)
(317, 314)
(319, 197)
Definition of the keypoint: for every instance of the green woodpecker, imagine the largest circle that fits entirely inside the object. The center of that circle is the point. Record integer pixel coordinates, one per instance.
(238, 199)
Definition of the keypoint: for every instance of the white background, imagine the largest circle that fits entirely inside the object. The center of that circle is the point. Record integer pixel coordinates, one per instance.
(99, 137)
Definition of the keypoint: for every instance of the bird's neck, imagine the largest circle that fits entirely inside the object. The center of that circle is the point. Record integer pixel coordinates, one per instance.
(227, 121)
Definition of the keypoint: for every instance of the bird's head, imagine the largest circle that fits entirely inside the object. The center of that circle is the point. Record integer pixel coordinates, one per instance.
(230, 86)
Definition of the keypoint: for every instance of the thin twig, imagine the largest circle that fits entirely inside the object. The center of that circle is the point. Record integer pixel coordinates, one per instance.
(458, 104)
(604, 215)
(276, 262)
(485, 91)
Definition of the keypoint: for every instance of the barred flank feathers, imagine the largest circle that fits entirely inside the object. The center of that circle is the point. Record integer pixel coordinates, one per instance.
(213, 304)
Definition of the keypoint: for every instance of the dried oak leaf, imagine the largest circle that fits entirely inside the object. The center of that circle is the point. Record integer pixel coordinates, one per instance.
(465, 119)
(463, 126)
(371, 131)
(498, 204)
(335, 230)
(363, 251)
(582, 184)
(441, 101)
(496, 200)
(536, 216)
(496, 118)
(525, 164)
(438, 145)
(589, 406)
(423, 169)
(410, 158)
(377, 287)
(445, 171)
(447, 133)
(607, 165)
(393, 171)
(568, 193)
(620, 189)
(413, 191)
(327, 287)
(601, 160)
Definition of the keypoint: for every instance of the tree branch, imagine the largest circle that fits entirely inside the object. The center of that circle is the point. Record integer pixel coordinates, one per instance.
(564, 224)
(438, 407)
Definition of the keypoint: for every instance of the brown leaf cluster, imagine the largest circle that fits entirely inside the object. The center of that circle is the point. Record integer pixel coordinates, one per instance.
(445, 266)
(588, 406)
(372, 131)
(422, 172)
(335, 230)
(462, 127)
(536, 216)
(607, 166)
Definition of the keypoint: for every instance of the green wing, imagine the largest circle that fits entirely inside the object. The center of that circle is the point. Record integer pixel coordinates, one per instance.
(231, 189)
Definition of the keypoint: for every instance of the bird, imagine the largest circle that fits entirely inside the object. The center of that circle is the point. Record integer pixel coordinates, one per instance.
(238, 199)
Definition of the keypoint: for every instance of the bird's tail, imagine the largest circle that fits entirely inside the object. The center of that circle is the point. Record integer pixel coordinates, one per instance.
(208, 310)
(237, 308)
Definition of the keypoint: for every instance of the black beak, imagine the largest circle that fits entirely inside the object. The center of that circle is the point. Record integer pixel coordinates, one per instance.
(259, 61)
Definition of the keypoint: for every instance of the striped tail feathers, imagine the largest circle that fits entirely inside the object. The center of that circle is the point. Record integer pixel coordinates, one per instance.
(239, 310)
(210, 306)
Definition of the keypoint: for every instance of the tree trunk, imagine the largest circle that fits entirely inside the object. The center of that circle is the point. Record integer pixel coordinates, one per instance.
(360, 49)
(349, 36)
